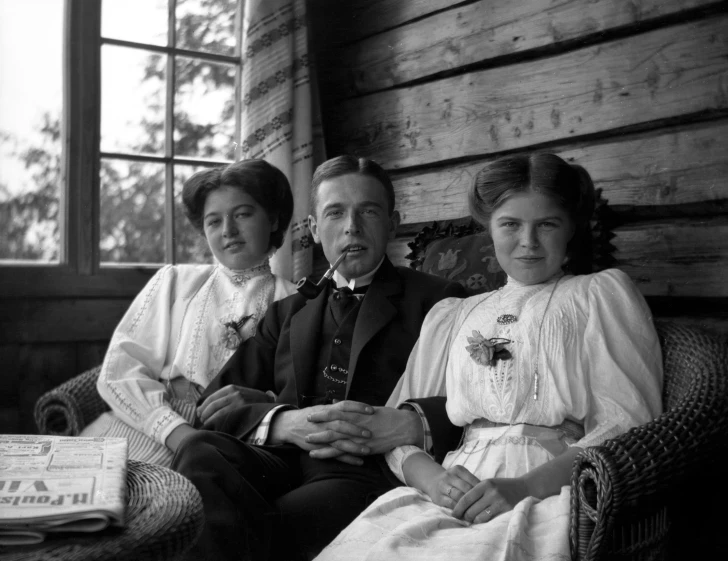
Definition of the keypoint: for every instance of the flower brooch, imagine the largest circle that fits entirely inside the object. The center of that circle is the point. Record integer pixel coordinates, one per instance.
(231, 337)
(487, 352)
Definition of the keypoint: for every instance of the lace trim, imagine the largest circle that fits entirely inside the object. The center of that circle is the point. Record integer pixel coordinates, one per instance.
(240, 277)
(512, 283)
(199, 326)
(123, 402)
(151, 292)
(121, 399)
(160, 423)
(265, 294)
(258, 296)
(506, 439)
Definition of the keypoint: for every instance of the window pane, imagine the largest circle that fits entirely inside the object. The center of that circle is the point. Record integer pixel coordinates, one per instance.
(190, 246)
(141, 21)
(132, 100)
(204, 109)
(132, 212)
(30, 131)
(206, 25)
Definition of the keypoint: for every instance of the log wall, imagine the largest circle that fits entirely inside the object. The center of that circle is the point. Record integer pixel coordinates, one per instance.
(54, 324)
(636, 91)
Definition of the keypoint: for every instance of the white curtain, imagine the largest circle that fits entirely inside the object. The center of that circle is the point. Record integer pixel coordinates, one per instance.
(281, 120)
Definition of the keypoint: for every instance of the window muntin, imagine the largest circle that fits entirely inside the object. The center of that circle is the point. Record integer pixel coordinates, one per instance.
(132, 212)
(182, 109)
(204, 116)
(205, 25)
(132, 100)
(82, 262)
(139, 21)
(189, 244)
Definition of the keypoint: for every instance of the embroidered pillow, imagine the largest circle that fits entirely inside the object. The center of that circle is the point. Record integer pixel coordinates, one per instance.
(469, 260)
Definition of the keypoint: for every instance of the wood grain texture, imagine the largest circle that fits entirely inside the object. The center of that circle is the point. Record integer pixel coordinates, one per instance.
(686, 257)
(62, 281)
(667, 73)
(34, 369)
(714, 325)
(60, 320)
(478, 32)
(341, 21)
(677, 258)
(673, 166)
(90, 354)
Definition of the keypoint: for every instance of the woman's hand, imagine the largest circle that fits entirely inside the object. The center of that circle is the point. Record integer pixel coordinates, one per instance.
(450, 486)
(489, 498)
(229, 398)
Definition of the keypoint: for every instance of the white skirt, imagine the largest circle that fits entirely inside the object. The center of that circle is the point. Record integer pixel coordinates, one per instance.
(405, 524)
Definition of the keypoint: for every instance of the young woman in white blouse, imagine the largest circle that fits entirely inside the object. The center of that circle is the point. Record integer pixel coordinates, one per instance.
(189, 319)
(534, 372)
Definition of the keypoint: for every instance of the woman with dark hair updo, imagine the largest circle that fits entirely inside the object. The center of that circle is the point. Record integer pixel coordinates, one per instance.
(534, 372)
(189, 319)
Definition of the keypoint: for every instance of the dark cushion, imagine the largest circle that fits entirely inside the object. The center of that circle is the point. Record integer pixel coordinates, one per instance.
(469, 260)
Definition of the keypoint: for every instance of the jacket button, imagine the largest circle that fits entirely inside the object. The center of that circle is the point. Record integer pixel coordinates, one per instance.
(337, 341)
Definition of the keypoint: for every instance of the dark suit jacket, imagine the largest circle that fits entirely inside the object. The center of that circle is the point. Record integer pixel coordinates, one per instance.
(283, 355)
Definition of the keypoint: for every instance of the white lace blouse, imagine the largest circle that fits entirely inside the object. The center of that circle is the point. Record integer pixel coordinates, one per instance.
(173, 339)
(596, 349)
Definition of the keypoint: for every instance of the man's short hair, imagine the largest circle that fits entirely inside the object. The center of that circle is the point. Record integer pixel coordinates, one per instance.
(345, 165)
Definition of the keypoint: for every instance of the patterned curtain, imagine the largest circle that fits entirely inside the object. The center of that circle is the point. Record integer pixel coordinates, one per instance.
(281, 120)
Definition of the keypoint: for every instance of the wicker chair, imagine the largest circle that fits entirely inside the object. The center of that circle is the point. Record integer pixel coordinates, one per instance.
(164, 518)
(621, 491)
(67, 409)
(164, 515)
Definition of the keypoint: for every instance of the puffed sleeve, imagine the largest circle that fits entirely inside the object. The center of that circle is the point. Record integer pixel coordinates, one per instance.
(622, 359)
(425, 372)
(129, 380)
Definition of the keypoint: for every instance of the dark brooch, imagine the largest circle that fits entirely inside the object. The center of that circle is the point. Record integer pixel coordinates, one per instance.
(231, 335)
(506, 319)
(487, 352)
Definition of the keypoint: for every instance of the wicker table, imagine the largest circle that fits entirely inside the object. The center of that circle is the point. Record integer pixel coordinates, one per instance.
(164, 518)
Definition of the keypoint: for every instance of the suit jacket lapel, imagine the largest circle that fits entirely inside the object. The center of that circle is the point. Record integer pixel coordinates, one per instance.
(375, 313)
(305, 338)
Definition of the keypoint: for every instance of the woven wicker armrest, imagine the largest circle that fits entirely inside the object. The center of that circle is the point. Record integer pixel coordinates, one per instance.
(67, 409)
(623, 486)
(164, 519)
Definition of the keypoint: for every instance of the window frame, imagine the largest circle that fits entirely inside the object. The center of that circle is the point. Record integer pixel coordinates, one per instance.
(79, 272)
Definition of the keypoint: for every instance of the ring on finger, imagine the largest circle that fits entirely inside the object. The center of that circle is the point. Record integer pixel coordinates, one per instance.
(487, 511)
(449, 491)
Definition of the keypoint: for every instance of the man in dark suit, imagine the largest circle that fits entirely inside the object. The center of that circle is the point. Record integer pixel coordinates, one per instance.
(281, 478)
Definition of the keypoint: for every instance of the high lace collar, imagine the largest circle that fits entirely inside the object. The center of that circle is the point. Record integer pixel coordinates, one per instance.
(241, 276)
(513, 284)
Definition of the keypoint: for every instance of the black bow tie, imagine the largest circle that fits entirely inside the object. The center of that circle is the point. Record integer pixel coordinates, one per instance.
(346, 292)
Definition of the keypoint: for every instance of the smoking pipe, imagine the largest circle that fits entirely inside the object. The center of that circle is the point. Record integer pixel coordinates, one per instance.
(308, 289)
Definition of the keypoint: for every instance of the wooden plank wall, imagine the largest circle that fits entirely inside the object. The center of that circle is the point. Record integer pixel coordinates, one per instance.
(636, 91)
(55, 323)
(43, 343)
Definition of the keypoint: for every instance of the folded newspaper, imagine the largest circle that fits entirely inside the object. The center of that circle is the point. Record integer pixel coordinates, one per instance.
(60, 484)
